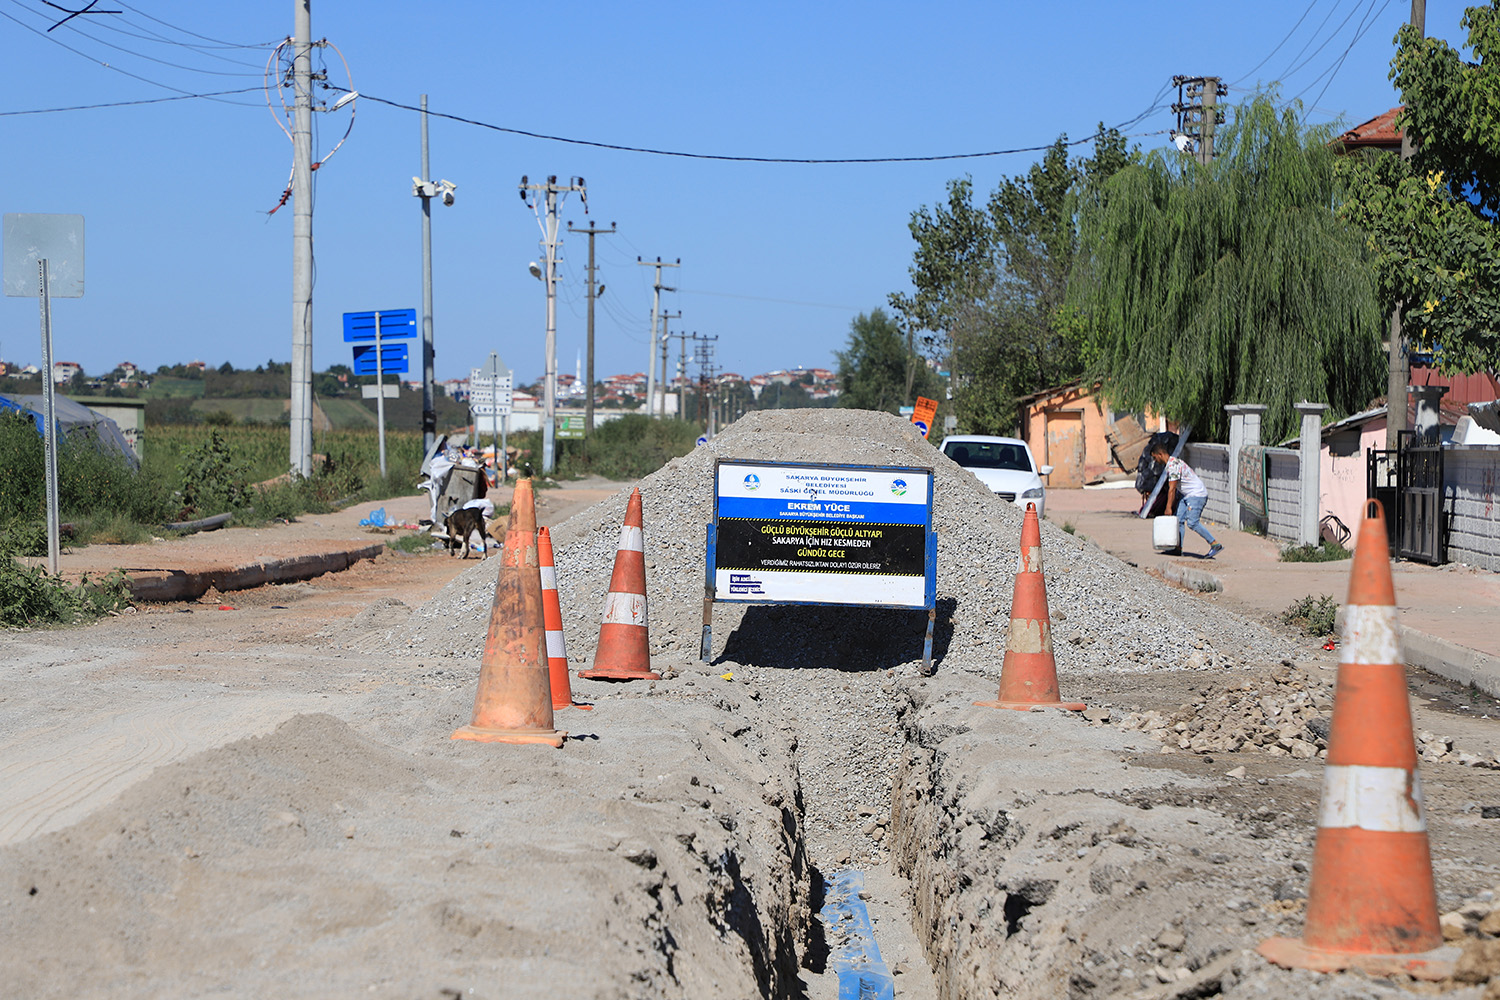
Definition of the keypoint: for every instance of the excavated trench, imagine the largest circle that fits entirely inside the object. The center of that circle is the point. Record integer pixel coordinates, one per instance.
(677, 844)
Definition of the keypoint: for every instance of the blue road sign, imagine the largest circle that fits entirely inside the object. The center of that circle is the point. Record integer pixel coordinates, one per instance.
(392, 357)
(394, 324)
(702, 439)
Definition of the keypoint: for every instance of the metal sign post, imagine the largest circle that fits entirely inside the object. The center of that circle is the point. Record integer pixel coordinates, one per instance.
(491, 395)
(379, 326)
(44, 253)
(49, 395)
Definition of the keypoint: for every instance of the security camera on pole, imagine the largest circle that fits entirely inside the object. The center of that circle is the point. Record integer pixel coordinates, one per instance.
(428, 190)
(550, 192)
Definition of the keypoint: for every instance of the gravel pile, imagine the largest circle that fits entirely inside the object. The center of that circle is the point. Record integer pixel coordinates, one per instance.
(829, 673)
(1106, 616)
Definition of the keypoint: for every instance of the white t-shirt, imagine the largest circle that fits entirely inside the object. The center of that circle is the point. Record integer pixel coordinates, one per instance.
(1179, 471)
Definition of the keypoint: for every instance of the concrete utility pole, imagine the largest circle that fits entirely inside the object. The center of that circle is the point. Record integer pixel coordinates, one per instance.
(425, 189)
(588, 399)
(665, 336)
(302, 209)
(682, 339)
(657, 288)
(1199, 112)
(1398, 370)
(550, 193)
(703, 356)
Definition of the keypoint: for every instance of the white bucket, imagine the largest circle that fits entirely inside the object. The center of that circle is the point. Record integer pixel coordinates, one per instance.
(1164, 533)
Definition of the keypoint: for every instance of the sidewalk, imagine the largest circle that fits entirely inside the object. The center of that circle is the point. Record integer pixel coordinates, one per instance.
(233, 558)
(1451, 614)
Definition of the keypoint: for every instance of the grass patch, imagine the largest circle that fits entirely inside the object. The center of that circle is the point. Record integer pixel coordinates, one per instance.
(632, 447)
(1068, 527)
(1313, 615)
(1324, 551)
(415, 544)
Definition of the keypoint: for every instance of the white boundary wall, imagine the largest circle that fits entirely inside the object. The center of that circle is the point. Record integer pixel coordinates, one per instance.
(1471, 478)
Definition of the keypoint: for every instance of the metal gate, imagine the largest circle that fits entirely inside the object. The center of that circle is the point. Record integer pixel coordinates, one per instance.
(1408, 482)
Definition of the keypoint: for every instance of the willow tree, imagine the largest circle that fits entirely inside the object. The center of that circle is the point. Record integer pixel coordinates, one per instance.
(1231, 282)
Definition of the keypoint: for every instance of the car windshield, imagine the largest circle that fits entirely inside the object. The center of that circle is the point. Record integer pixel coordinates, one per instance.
(988, 455)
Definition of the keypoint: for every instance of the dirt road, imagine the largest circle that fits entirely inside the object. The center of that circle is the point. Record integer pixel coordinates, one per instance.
(265, 801)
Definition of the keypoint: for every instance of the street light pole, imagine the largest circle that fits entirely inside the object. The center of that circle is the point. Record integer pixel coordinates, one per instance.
(550, 201)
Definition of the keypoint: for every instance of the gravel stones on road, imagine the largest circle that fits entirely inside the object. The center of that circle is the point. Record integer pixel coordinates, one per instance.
(824, 669)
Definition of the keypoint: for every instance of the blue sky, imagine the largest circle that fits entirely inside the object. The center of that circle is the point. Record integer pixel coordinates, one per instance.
(184, 263)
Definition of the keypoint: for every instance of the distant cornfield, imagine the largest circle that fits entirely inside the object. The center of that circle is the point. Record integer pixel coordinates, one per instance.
(266, 450)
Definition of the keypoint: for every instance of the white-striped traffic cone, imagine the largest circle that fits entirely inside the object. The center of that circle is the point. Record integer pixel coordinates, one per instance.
(1371, 904)
(624, 651)
(557, 649)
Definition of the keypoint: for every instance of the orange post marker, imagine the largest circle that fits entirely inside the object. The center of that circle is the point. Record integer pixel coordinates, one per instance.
(624, 651)
(557, 650)
(1028, 676)
(514, 701)
(1371, 905)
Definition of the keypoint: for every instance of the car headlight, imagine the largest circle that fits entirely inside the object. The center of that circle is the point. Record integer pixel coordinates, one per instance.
(1035, 493)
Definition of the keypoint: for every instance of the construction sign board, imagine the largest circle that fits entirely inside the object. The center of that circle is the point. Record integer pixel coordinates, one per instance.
(924, 413)
(794, 533)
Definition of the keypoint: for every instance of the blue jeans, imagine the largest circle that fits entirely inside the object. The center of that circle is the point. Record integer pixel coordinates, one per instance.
(1188, 509)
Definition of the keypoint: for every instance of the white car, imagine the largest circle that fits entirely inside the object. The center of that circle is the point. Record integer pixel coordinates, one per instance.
(1003, 464)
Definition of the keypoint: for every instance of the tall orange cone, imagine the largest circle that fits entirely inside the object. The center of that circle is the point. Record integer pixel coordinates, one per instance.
(514, 700)
(1371, 905)
(1028, 677)
(624, 651)
(557, 650)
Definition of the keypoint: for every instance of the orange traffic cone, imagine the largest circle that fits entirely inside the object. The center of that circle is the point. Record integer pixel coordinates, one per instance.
(624, 652)
(557, 650)
(1028, 677)
(1371, 905)
(514, 701)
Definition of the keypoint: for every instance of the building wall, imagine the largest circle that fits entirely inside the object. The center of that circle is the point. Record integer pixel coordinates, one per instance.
(1471, 475)
(1211, 462)
(1283, 493)
(1071, 404)
(1343, 476)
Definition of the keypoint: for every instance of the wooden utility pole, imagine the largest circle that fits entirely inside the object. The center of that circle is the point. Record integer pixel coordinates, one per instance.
(594, 292)
(1197, 111)
(1398, 371)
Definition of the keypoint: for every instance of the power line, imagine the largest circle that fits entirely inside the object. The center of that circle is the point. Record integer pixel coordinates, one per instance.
(134, 76)
(1338, 64)
(732, 158)
(185, 31)
(141, 55)
(1279, 44)
(126, 104)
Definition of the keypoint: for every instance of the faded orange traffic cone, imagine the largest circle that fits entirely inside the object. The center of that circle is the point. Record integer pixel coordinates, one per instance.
(514, 701)
(1371, 905)
(1028, 677)
(624, 651)
(557, 650)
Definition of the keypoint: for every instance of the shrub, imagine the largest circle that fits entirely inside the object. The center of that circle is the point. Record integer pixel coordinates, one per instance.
(31, 596)
(213, 478)
(630, 447)
(1314, 615)
(1324, 551)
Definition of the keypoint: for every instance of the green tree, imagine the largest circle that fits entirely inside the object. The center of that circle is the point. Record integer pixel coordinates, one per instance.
(991, 283)
(875, 367)
(1431, 220)
(1232, 282)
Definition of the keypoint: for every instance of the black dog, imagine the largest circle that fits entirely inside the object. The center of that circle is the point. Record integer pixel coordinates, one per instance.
(461, 525)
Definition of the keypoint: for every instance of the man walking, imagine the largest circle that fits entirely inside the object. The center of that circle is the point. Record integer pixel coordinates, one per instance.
(1193, 495)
